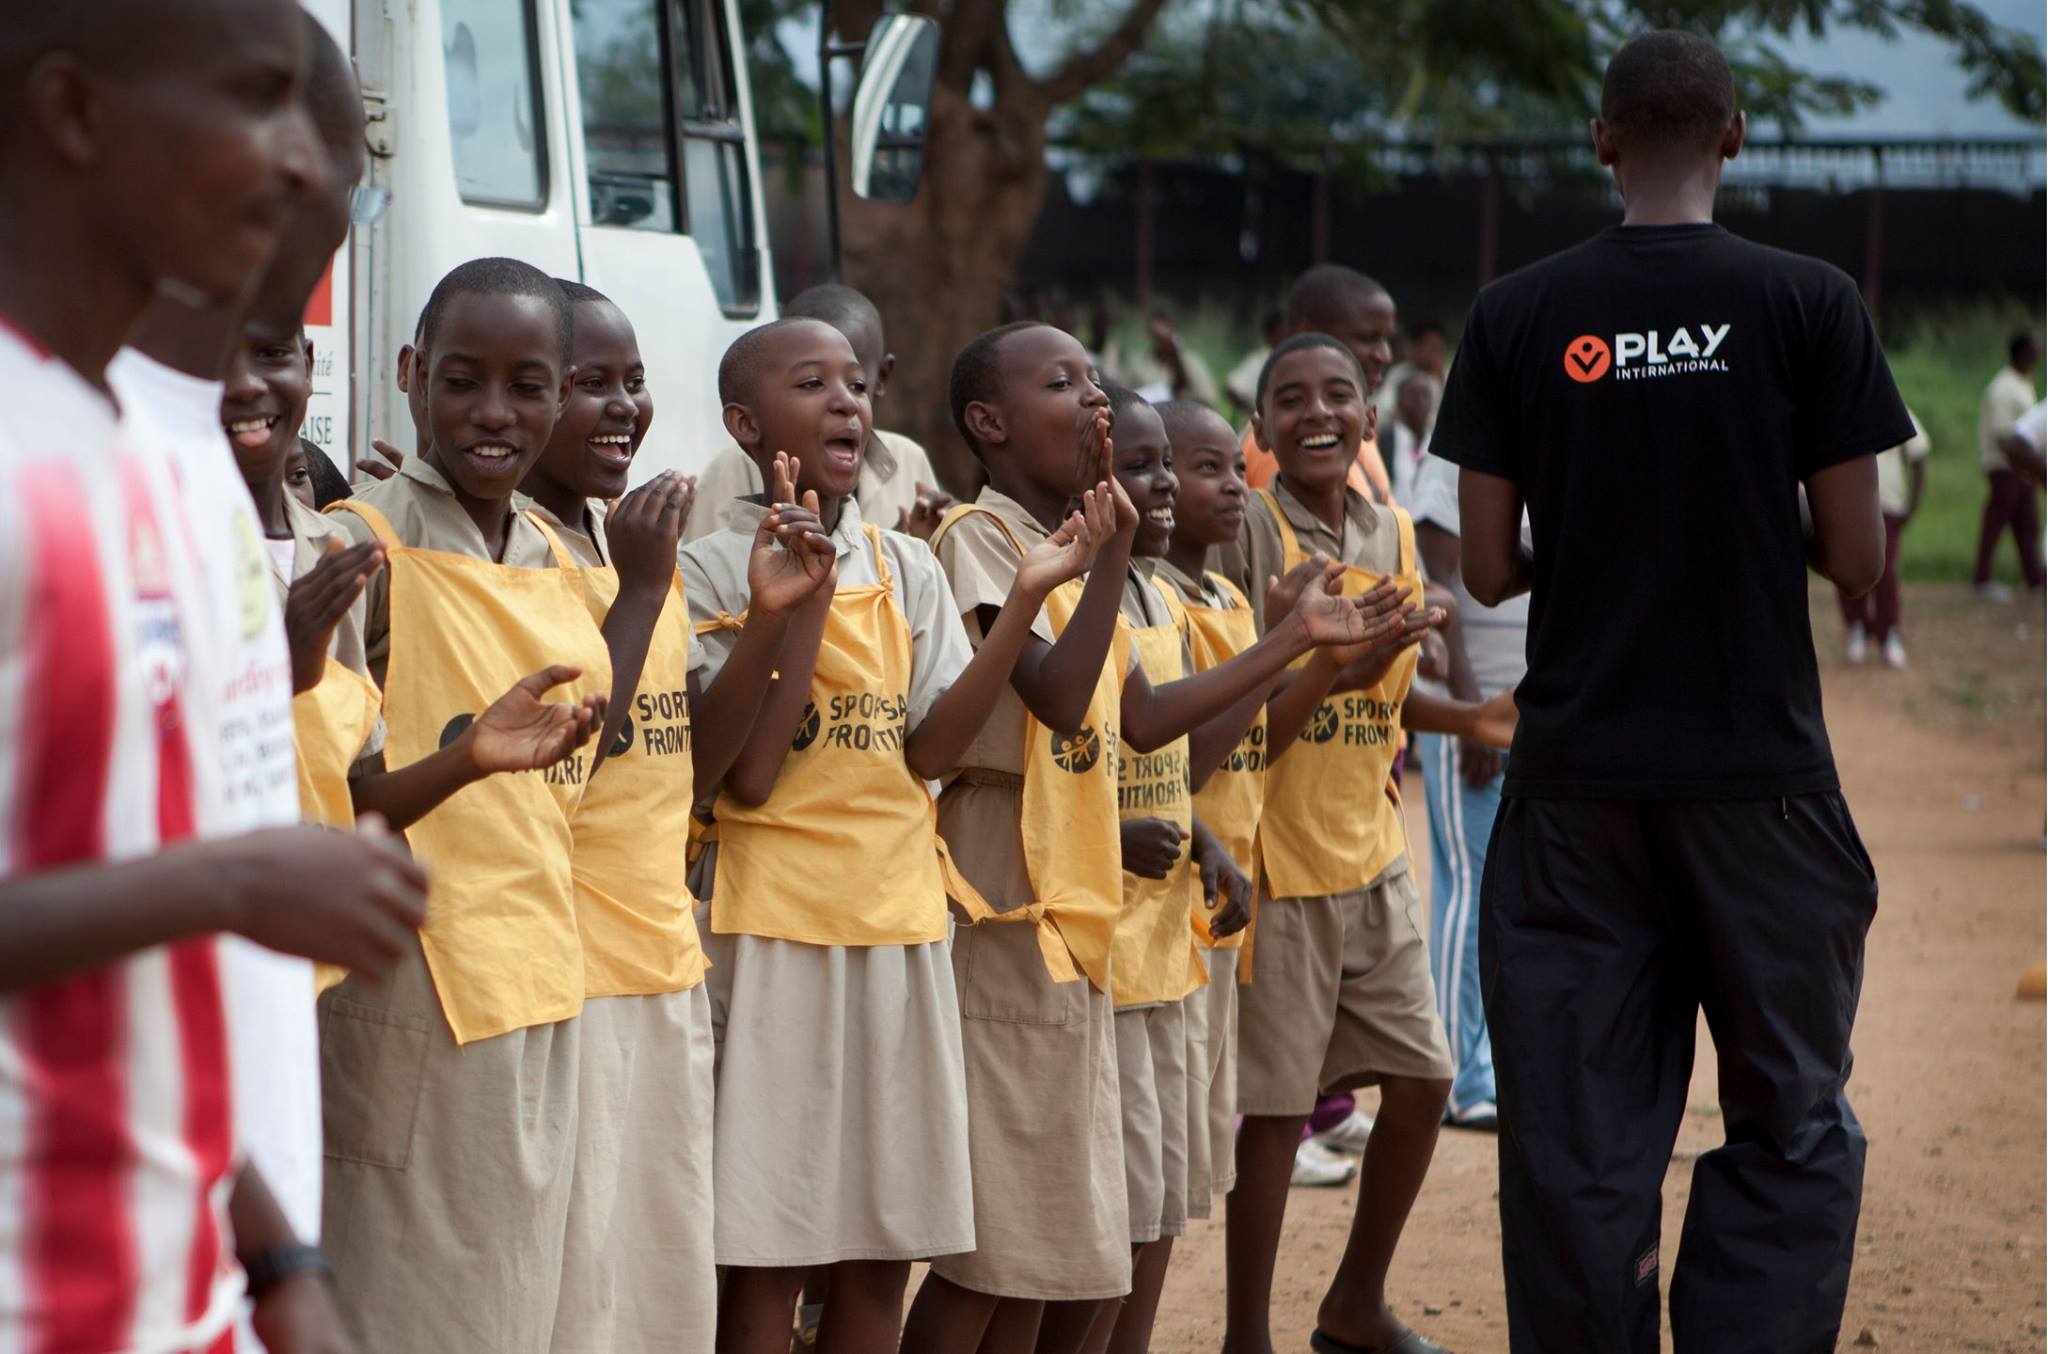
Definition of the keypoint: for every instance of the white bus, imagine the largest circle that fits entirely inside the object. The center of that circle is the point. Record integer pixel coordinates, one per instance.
(610, 141)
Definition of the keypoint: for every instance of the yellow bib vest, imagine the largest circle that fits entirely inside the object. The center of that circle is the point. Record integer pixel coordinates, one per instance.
(1327, 825)
(1072, 850)
(1229, 801)
(501, 937)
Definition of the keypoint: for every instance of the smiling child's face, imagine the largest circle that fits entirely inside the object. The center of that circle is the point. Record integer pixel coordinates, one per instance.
(810, 399)
(494, 391)
(609, 408)
(1209, 464)
(1144, 467)
(263, 401)
(1313, 416)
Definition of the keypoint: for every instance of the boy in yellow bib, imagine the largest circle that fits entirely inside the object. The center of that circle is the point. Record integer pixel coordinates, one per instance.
(1340, 994)
(828, 918)
(1032, 818)
(319, 577)
(452, 1097)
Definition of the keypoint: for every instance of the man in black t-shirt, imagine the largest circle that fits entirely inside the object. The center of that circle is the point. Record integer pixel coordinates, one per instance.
(1673, 837)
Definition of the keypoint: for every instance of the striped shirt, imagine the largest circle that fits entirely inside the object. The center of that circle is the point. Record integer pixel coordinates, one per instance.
(116, 1119)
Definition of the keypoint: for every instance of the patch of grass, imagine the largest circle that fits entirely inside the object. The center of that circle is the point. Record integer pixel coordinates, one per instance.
(1942, 360)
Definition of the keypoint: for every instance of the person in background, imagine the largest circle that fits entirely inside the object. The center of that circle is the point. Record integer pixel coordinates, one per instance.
(1243, 382)
(1901, 477)
(898, 487)
(2025, 442)
(1408, 431)
(1425, 352)
(1165, 368)
(2010, 500)
(1486, 647)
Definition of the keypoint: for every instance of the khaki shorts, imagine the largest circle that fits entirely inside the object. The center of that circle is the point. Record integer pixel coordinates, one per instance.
(1212, 1083)
(1340, 996)
(1152, 1079)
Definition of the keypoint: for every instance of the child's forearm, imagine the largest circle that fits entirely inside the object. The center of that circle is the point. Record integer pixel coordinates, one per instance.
(1058, 685)
(1296, 702)
(1155, 716)
(752, 776)
(943, 735)
(1211, 742)
(1422, 712)
(723, 714)
(410, 793)
(628, 631)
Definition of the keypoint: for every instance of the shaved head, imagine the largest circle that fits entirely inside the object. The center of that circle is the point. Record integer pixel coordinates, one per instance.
(335, 103)
(740, 370)
(1668, 90)
(1323, 295)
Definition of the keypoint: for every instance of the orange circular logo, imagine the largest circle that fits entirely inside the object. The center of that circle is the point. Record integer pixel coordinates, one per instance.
(1586, 359)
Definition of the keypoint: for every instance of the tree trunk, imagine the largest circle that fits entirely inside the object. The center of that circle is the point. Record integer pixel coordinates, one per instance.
(937, 267)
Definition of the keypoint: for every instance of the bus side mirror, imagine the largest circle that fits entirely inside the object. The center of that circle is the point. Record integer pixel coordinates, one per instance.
(890, 107)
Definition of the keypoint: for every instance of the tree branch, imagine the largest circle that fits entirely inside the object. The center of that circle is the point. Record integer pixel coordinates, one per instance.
(1092, 67)
(965, 40)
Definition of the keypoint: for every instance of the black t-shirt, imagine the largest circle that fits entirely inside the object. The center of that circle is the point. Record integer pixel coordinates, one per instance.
(1658, 393)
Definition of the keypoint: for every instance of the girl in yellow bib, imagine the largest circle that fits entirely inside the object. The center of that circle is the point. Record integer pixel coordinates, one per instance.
(1032, 817)
(451, 1091)
(831, 983)
(640, 1267)
(1176, 874)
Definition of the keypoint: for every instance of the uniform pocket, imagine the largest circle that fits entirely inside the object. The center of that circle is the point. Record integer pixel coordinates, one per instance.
(1002, 977)
(372, 1067)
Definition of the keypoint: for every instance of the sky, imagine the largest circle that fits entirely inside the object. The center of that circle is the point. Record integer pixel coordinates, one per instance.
(1927, 93)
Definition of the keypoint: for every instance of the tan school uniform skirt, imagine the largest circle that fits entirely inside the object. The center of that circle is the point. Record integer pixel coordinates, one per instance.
(842, 1102)
(1212, 1083)
(1152, 1079)
(546, 1190)
(1051, 1219)
(1340, 996)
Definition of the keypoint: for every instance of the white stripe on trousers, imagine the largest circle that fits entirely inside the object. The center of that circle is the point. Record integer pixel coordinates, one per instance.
(1458, 909)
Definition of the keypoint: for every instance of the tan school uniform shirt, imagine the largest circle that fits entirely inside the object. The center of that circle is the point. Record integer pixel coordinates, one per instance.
(585, 539)
(715, 582)
(890, 471)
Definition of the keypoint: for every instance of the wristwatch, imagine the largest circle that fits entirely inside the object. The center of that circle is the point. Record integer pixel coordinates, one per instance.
(269, 1268)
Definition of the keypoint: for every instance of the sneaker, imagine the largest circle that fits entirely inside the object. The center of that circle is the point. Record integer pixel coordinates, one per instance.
(1480, 1114)
(1894, 652)
(1996, 593)
(1316, 1165)
(1350, 1136)
(1857, 647)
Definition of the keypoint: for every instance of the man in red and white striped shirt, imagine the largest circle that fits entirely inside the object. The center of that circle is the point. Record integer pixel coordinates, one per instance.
(143, 144)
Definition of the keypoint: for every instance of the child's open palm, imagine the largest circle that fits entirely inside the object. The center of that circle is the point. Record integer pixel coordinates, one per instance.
(1284, 592)
(1334, 619)
(1070, 551)
(644, 527)
(522, 731)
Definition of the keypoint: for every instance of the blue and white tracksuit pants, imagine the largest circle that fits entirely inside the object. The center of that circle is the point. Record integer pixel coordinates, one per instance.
(1460, 823)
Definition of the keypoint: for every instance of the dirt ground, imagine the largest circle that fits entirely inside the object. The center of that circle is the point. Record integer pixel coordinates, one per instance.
(1943, 767)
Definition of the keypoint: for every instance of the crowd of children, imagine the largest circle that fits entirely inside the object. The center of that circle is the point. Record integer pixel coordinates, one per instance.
(718, 898)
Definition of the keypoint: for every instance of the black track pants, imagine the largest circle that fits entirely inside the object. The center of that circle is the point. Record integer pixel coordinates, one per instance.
(1607, 927)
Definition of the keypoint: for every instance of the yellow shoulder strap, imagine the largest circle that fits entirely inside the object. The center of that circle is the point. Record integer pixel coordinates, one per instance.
(1406, 525)
(1290, 545)
(1228, 588)
(563, 559)
(874, 535)
(379, 524)
(1174, 606)
(960, 512)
